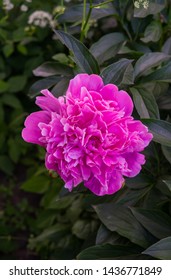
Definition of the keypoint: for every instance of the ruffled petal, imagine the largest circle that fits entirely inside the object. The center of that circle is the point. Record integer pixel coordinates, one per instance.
(31, 133)
(124, 101)
(115, 182)
(109, 92)
(48, 102)
(90, 82)
(134, 161)
(142, 131)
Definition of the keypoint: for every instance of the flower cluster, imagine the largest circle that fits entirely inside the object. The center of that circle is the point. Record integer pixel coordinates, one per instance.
(40, 18)
(143, 3)
(7, 5)
(89, 134)
(24, 8)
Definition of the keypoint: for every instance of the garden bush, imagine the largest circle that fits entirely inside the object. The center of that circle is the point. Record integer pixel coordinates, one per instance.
(43, 46)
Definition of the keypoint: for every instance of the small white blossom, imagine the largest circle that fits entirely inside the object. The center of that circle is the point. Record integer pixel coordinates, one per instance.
(141, 3)
(146, 4)
(29, 1)
(58, 10)
(24, 8)
(40, 18)
(7, 5)
(137, 4)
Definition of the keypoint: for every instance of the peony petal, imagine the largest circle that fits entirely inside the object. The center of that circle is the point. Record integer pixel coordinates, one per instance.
(115, 182)
(124, 102)
(48, 102)
(142, 131)
(109, 92)
(90, 82)
(134, 161)
(31, 133)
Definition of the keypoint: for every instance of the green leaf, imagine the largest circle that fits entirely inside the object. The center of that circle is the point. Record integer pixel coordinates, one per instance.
(138, 182)
(163, 74)
(18, 34)
(45, 219)
(148, 61)
(14, 149)
(17, 83)
(22, 49)
(164, 101)
(153, 32)
(168, 183)
(167, 46)
(140, 104)
(82, 229)
(160, 250)
(2, 113)
(4, 86)
(61, 58)
(120, 219)
(61, 87)
(8, 49)
(119, 73)
(36, 184)
(145, 103)
(155, 221)
(83, 58)
(107, 251)
(6, 165)
(161, 130)
(167, 152)
(54, 202)
(43, 84)
(12, 101)
(129, 197)
(154, 7)
(107, 46)
(52, 68)
(105, 236)
(74, 13)
(51, 233)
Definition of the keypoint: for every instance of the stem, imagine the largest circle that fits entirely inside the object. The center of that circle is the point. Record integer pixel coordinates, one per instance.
(101, 4)
(88, 16)
(85, 19)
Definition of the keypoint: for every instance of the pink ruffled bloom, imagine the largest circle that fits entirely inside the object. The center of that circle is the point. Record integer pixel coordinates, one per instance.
(89, 134)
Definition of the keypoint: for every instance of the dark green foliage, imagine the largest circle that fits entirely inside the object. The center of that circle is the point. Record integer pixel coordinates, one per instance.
(127, 46)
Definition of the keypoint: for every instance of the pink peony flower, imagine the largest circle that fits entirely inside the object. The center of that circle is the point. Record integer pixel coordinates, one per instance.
(89, 134)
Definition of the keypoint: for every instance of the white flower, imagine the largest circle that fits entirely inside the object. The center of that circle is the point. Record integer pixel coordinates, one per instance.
(145, 4)
(24, 8)
(137, 4)
(141, 3)
(40, 18)
(7, 5)
(29, 1)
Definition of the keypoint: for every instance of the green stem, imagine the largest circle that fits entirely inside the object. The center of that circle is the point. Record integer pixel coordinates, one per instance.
(88, 16)
(85, 19)
(101, 4)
